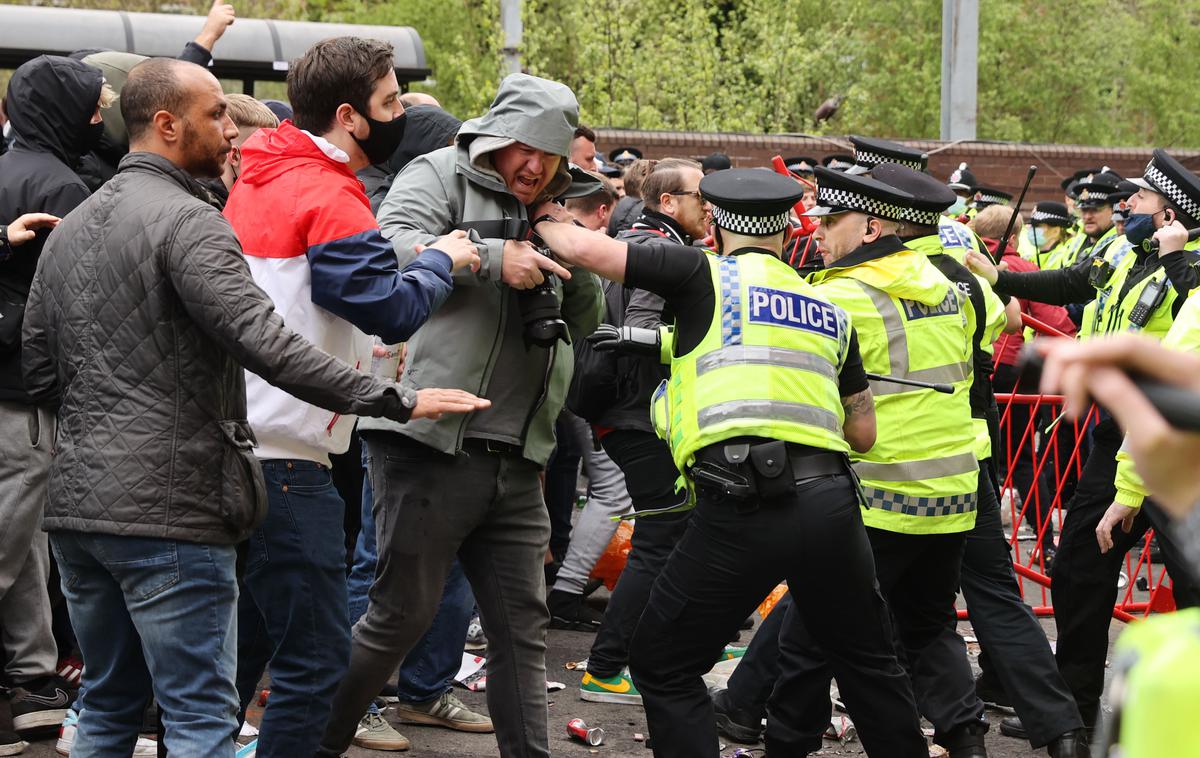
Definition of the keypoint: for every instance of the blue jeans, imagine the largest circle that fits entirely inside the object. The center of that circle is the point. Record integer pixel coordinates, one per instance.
(152, 612)
(294, 595)
(428, 671)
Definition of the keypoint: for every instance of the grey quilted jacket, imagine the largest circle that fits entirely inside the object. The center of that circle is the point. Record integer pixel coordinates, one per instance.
(140, 320)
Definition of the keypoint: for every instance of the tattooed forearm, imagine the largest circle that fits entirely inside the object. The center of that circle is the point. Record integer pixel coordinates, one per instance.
(858, 403)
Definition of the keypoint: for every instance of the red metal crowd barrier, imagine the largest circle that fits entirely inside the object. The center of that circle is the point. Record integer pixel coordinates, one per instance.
(1041, 457)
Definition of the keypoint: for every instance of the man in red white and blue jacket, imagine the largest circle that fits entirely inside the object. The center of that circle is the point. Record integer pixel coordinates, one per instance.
(312, 244)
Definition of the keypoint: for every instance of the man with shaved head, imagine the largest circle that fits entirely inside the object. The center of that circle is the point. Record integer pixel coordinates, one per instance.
(140, 320)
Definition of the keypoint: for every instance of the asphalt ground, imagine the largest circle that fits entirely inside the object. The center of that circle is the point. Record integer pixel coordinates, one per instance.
(622, 724)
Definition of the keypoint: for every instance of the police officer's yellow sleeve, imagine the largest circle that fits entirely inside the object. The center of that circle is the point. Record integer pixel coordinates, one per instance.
(1184, 336)
(1131, 490)
(997, 319)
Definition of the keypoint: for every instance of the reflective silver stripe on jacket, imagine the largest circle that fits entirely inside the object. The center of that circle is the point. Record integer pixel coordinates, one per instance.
(919, 506)
(916, 471)
(769, 410)
(897, 337)
(735, 355)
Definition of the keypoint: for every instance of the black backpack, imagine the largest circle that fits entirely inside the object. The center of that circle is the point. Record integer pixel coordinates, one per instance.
(598, 378)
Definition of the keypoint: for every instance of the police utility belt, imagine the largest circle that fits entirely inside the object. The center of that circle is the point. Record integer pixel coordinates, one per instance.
(762, 470)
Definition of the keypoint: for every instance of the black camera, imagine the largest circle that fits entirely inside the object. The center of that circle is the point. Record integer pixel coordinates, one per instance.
(541, 313)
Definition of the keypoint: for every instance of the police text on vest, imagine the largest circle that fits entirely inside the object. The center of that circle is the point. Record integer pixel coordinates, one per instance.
(780, 308)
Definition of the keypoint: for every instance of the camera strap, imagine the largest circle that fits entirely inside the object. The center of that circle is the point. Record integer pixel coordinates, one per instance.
(502, 228)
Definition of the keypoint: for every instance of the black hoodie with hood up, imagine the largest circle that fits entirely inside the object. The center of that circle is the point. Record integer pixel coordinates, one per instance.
(51, 101)
(428, 128)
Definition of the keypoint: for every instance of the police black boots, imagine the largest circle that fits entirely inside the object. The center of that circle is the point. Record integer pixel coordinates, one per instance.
(966, 741)
(1073, 744)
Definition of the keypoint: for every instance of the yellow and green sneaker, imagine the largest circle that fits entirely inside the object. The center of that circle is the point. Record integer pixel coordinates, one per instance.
(617, 689)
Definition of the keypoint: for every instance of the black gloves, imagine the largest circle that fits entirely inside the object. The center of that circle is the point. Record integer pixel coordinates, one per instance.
(628, 340)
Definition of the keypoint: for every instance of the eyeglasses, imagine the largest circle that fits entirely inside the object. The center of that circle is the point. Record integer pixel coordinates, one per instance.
(694, 193)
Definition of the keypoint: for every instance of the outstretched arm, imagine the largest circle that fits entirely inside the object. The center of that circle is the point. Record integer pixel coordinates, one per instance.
(577, 246)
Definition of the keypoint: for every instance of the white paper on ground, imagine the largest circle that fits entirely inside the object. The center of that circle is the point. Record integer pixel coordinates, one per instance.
(471, 675)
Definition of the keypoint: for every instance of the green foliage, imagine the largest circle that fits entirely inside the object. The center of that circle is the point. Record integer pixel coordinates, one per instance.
(1108, 72)
(462, 43)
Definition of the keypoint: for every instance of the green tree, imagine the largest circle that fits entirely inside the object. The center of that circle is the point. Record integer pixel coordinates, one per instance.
(462, 42)
(1109, 72)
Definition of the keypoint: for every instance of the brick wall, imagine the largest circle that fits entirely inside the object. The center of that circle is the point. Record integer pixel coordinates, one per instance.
(999, 164)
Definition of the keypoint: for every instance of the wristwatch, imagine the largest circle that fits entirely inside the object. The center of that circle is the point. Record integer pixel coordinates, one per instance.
(4, 235)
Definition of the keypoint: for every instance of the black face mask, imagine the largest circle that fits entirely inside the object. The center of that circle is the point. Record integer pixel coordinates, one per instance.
(383, 139)
(92, 134)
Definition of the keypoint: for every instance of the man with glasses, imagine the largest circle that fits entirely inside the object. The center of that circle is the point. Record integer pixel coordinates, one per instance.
(675, 213)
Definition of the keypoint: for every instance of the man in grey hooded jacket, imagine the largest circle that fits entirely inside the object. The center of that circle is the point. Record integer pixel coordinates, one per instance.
(469, 487)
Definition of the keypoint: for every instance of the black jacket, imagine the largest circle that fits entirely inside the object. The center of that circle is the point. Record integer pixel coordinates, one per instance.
(50, 101)
(1065, 286)
(626, 306)
(624, 213)
(427, 128)
(98, 166)
(140, 321)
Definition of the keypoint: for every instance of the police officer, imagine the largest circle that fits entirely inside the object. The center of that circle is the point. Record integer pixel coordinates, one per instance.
(1016, 653)
(624, 156)
(1120, 203)
(955, 235)
(989, 196)
(1095, 213)
(1141, 294)
(837, 162)
(1155, 687)
(766, 397)
(1049, 234)
(870, 152)
(963, 182)
(920, 477)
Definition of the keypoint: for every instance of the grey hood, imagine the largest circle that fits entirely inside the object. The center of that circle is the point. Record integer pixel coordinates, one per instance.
(527, 109)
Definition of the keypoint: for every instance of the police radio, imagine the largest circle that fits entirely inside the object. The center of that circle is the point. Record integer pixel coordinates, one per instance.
(1152, 296)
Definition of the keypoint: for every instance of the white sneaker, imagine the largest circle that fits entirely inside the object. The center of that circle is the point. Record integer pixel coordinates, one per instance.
(475, 637)
(145, 747)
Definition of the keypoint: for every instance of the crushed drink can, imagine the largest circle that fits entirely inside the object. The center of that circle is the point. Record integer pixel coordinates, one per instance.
(578, 729)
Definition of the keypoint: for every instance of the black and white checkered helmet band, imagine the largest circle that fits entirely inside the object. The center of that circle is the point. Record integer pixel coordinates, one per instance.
(1172, 191)
(924, 218)
(1087, 195)
(751, 226)
(840, 198)
(870, 160)
(988, 199)
(1041, 217)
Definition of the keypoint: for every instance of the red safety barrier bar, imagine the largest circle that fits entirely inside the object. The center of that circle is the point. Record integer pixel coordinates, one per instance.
(1043, 452)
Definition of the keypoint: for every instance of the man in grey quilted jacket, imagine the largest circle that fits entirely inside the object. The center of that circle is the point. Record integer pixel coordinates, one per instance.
(140, 320)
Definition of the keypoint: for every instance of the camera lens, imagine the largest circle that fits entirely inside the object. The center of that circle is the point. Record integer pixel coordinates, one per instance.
(541, 314)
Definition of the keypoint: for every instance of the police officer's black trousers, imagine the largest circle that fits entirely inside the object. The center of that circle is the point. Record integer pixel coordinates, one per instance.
(918, 575)
(1085, 581)
(650, 476)
(1014, 645)
(751, 683)
(1013, 642)
(725, 564)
